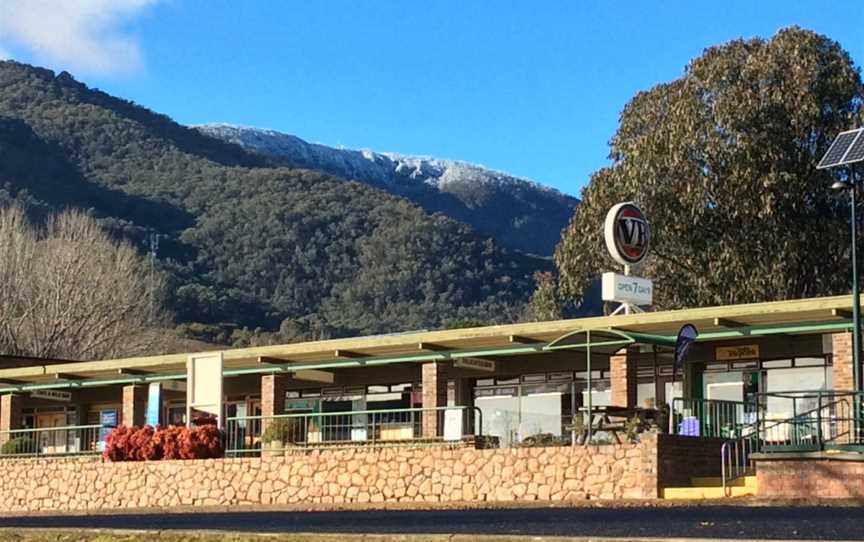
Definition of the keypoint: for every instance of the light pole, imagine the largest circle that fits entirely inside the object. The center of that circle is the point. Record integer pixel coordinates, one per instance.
(852, 187)
(846, 150)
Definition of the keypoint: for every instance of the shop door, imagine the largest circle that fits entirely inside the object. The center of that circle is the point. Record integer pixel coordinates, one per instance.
(52, 442)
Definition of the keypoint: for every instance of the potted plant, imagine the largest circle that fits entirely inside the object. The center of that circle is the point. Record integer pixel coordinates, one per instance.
(277, 433)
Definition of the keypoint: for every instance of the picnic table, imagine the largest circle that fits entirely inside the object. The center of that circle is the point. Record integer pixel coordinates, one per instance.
(613, 419)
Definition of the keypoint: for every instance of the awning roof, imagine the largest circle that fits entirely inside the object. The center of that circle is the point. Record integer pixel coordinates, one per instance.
(819, 315)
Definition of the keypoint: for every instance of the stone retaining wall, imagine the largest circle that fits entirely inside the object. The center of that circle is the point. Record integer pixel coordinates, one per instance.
(337, 476)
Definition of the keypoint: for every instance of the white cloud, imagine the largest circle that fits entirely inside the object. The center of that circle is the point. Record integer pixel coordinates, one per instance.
(82, 36)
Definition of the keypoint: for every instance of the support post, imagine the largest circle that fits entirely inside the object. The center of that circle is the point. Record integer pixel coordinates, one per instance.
(11, 406)
(273, 389)
(134, 405)
(434, 383)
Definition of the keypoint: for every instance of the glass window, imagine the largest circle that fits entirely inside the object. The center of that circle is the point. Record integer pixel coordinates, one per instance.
(724, 386)
(500, 417)
(534, 378)
(809, 362)
(377, 389)
(646, 395)
(777, 364)
(539, 413)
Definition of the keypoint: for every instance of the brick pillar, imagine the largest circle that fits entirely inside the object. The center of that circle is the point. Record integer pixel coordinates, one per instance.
(434, 382)
(622, 369)
(273, 388)
(134, 405)
(842, 360)
(10, 414)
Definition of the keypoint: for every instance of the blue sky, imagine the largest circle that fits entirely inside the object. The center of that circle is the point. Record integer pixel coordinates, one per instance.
(530, 88)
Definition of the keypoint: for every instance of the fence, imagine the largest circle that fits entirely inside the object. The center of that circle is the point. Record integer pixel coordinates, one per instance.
(710, 418)
(66, 440)
(247, 435)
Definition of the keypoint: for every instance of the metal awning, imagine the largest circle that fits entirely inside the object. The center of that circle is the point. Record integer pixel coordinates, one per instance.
(605, 335)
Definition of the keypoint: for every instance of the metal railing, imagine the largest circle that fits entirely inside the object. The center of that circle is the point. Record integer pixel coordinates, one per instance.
(810, 421)
(51, 441)
(709, 418)
(249, 435)
(735, 459)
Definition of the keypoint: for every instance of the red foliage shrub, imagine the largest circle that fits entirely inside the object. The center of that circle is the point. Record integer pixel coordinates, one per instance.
(149, 444)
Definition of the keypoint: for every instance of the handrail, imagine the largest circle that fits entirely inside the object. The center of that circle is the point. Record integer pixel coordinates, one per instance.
(387, 427)
(58, 428)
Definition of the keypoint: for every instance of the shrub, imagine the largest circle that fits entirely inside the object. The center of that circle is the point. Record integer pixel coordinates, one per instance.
(18, 446)
(151, 444)
(543, 439)
(286, 430)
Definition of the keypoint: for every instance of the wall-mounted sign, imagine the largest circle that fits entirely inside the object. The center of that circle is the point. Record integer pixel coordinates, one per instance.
(627, 233)
(732, 353)
(52, 395)
(486, 365)
(625, 289)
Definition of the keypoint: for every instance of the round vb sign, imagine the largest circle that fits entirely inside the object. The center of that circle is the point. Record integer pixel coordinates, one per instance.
(628, 233)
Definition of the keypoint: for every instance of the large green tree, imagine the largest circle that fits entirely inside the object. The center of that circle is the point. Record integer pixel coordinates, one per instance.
(723, 162)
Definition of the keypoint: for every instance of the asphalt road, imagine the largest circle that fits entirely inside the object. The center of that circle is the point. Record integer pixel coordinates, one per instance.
(743, 522)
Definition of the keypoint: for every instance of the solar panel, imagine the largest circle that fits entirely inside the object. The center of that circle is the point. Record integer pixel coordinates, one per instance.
(838, 149)
(856, 151)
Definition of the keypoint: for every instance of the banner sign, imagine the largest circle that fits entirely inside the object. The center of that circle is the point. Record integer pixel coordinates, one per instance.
(626, 289)
(204, 386)
(733, 353)
(686, 336)
(52, 395)
(154, 402)
(627, 233)
(485, 365)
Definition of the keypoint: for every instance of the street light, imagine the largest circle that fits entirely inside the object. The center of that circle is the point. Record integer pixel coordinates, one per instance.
(851, 187)
(846, 150)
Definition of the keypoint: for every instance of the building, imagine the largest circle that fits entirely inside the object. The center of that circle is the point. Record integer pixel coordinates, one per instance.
(521, 379)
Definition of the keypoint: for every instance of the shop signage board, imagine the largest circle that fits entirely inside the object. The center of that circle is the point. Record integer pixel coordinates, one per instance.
(204, 386)
(477, 364)
(312, 375)
(453, 424)
(154, 402)
(52, 395)
(624, 289)
(738, 352)
(108, 419)
(627, 233)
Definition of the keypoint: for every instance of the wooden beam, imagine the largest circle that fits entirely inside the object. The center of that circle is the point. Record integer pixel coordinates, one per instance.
(68, 376)
(726, 322)
(133, 372)
(273, 361)
(348, 354)
(432, 347)
(314, 375)
(519, 339)
(842, 313)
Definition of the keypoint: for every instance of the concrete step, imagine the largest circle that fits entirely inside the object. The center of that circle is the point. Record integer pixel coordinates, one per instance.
(716, 481)
(712, 488)
(706, 492)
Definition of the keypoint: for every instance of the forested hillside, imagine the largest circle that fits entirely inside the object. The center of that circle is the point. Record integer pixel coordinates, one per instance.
(245, 243)
(518, 213)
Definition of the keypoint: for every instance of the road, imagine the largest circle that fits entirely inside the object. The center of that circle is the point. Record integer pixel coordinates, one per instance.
(743, 522)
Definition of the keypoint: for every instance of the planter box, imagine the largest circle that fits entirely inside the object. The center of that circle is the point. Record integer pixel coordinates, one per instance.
(397, 431)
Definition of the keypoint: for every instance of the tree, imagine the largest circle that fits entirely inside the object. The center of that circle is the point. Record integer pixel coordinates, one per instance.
(545, 303)
(68, 290)
(723, 163)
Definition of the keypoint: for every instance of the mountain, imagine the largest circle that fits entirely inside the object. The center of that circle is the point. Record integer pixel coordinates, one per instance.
(245, 241)
(518, 213)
